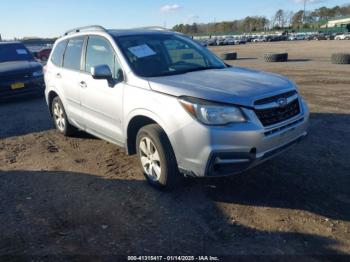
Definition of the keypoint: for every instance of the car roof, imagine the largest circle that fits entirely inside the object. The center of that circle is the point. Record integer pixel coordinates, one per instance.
(131, 32)
(96, 29)
(11, 43)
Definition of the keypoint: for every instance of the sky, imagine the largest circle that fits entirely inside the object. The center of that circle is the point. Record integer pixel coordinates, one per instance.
(45, 18)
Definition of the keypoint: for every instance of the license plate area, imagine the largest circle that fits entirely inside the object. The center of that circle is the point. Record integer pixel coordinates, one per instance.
(17, 86)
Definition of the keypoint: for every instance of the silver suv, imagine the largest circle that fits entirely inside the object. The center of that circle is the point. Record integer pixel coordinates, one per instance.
(171, 101)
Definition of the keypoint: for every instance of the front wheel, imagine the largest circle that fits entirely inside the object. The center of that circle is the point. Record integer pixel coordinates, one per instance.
(60, 118)
(156, 157)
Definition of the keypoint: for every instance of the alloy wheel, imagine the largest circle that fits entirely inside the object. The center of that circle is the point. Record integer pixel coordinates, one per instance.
(59, 117)
(150, 159)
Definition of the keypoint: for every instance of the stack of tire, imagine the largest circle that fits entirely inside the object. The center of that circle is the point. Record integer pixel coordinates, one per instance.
(341, 58)
(228, 56)
(276, 57)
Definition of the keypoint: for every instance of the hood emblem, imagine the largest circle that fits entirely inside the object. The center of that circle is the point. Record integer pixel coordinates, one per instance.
(282, 102)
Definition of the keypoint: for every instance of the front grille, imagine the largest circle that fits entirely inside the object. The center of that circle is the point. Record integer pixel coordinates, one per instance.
(272, 99)
(276, 115)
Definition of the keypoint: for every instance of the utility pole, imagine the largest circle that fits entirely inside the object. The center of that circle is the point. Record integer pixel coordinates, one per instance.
(304, 16)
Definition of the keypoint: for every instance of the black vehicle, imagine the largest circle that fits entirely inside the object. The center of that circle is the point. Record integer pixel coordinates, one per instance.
(276, 38)
(20, 74)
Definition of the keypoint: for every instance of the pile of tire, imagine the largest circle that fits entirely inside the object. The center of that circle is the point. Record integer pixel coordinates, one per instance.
(341, 58)
(276, 57)
(229, 56)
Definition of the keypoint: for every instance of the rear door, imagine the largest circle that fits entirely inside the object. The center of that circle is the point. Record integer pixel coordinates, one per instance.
(101, 101)
(54, 66)
(70, 79)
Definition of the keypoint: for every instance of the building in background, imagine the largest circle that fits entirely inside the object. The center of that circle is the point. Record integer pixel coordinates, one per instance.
(342, 23)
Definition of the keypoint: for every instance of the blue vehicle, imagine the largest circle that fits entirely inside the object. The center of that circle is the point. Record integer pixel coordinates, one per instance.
(20, 74)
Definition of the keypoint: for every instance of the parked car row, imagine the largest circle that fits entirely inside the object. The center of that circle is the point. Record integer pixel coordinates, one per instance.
(224, 41)
(243, 39)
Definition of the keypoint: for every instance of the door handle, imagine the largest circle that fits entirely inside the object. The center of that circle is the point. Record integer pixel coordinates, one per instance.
(58, 75)
(83, 84)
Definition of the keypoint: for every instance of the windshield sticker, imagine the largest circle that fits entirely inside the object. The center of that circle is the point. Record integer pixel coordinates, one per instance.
(21, 52)
(141, 51)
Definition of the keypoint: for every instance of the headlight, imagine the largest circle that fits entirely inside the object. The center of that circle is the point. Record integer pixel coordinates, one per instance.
(211, 113)
(38, 73)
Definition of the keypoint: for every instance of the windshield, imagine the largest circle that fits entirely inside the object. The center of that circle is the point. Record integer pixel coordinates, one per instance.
(161, 55)
(14, 52)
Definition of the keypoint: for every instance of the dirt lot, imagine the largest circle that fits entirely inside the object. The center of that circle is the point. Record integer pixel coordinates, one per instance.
(85, 196)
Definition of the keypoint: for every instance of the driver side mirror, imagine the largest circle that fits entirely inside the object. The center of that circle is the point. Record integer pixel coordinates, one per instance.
(101, 72)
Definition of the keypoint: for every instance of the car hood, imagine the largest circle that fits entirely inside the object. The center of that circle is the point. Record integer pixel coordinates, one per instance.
(233, 85)
(18, 66)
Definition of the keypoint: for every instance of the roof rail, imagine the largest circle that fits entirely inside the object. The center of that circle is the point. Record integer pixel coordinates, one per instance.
(153, 28)
(85, 28)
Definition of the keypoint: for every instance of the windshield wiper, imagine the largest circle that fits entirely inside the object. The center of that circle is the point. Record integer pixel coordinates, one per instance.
(179, 72)
(202, 68)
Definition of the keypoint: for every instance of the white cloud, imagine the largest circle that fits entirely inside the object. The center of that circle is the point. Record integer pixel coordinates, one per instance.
(170, 8)
(309, 1)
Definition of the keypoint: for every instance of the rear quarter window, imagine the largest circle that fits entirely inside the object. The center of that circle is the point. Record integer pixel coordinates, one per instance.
(57, 54)
(72, 55)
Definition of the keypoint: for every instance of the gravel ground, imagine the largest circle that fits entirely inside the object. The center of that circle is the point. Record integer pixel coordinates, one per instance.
(84, 196)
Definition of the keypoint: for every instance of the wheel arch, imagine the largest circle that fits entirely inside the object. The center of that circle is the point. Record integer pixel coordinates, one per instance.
(136, 121)
(50, 97)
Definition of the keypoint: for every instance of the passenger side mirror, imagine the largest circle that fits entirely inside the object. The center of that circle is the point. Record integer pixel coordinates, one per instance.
(101, 72)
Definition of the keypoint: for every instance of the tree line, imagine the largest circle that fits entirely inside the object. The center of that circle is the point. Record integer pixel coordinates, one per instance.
(281, 20)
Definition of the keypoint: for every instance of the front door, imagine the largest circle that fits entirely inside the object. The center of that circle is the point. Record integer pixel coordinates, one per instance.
(101, 100)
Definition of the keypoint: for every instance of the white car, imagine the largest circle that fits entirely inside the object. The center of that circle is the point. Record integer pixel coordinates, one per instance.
(170, 101)
(345, 36)
(259, 39)
(296, 37)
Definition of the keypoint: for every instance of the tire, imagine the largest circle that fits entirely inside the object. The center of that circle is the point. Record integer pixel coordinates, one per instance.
(229, 56)
(156, 158)
(274, 57)
(60, 118)
(341, 58)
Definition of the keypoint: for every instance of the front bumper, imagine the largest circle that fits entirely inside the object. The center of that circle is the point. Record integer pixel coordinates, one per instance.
(223, 164)
(221, 151)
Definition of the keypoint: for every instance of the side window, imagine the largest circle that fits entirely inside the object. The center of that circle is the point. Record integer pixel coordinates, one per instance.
(180, 52)
(57, 55)
(72, 56)
(100, 52)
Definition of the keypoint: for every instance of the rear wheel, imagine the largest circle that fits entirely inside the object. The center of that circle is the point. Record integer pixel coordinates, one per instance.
(156, 157)
(60, 118)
